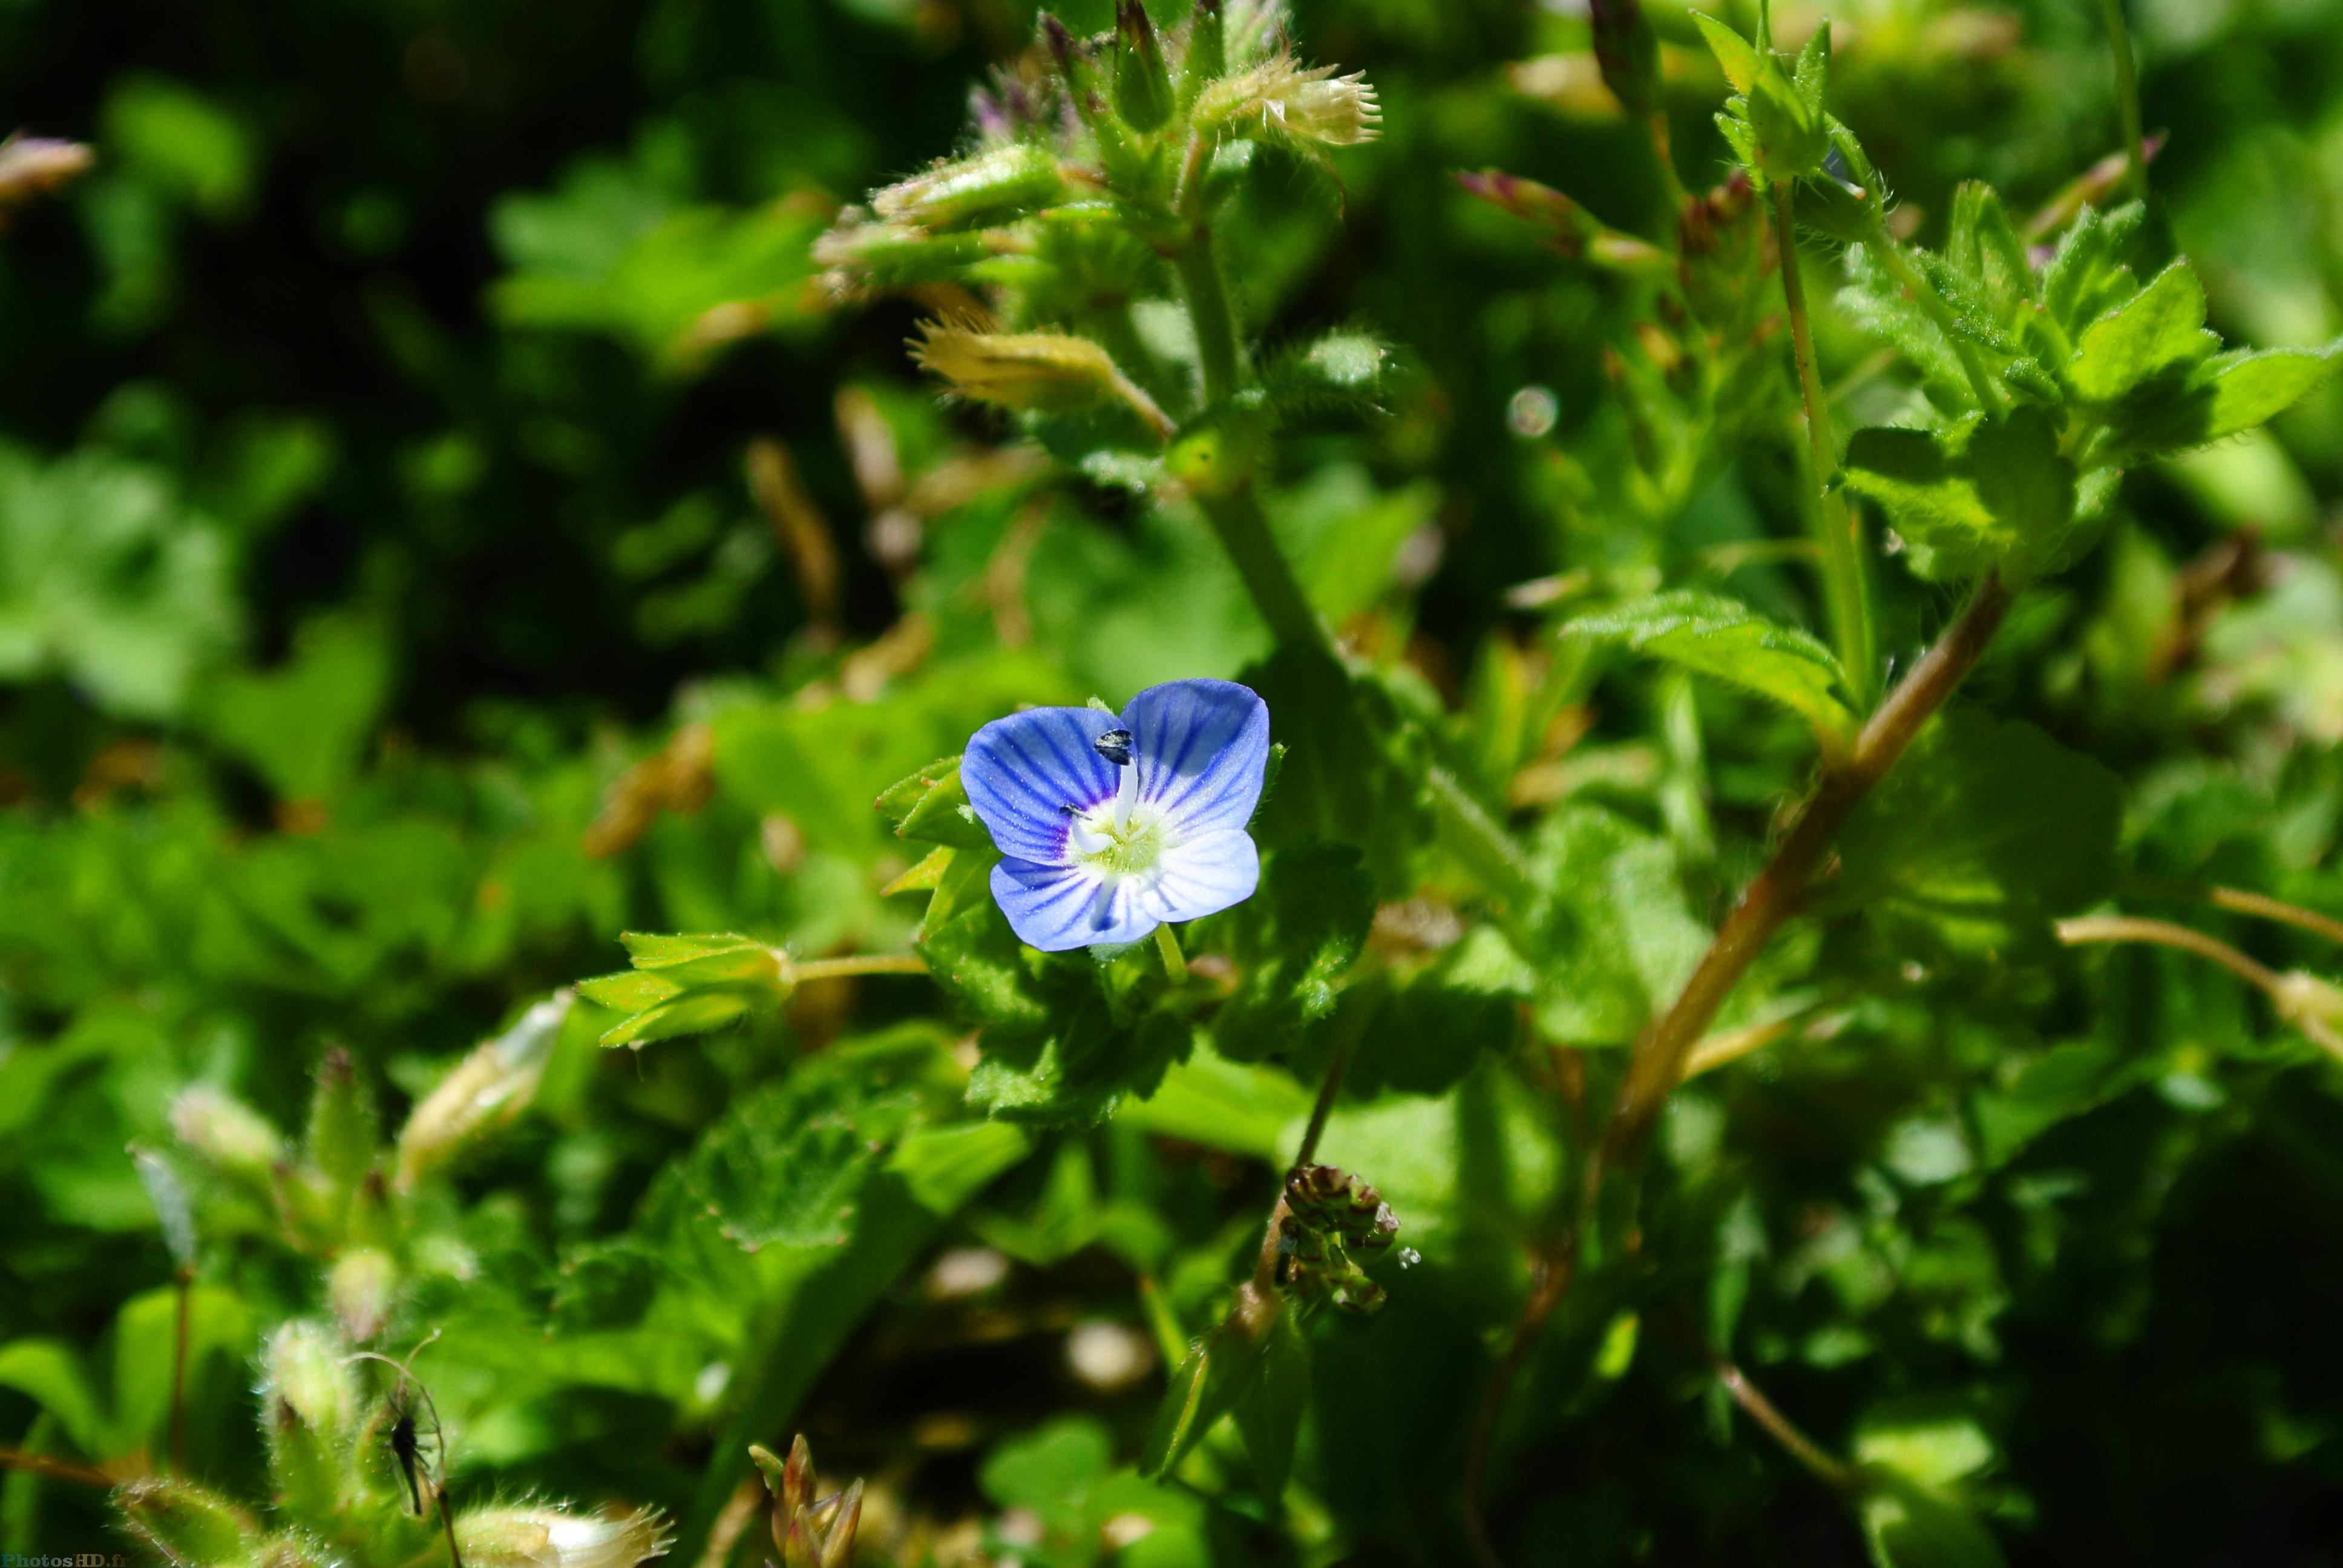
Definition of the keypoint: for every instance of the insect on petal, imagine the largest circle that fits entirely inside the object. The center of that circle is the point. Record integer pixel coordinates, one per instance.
(1023, 772)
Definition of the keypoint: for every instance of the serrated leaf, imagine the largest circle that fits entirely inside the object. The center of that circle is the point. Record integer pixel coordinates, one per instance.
(2087, 277)
(691, 960)
(1986, 249)
(1294, 940)
(1724, 640)
(630, 992)
(2160, 328)
(898, 801)
(1986, 831)
(1425, 1031)
(943, 816)
(2225, 397)
(1980, 494)
(692, 1012)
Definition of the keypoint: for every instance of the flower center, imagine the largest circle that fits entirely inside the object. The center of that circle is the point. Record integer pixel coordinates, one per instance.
(1120, 838)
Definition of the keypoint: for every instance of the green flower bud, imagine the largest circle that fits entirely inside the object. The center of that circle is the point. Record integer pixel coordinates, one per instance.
(1142, 84)
(188, 1523)
(1282, 101)
(309, 1402)
(811, 1532)
(340, 1143)
(227, 1134)
(557, 1538)
(1207, 55)
(1001, 182)
(488, 1088)
(362, 1288)
(1045, 371)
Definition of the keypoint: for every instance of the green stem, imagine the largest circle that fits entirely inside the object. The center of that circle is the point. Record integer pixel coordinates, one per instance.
(1837, 530)
(1175, 964)
(2127, 100)
(1243, 531)
(1932, 306)
(1207, 308)
(1480, 842)
(860, 964)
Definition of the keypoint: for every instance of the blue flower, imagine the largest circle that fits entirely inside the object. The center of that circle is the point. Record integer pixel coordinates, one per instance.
(1110, 826)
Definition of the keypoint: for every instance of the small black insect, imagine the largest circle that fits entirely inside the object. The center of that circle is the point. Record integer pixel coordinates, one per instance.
(403, 1447)
(1114, 746)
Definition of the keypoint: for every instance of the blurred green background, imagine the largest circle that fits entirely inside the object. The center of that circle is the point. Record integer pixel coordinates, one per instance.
(424, 413)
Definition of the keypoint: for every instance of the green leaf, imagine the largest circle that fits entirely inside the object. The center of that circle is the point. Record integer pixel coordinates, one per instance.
(1051, 1472)
(1615, 937)
(1426, 1030)
(1982, 835)
(1220, 1372)
(1981, 494)
(941, 814)
(686, 959)
(1986, 250)
(1735, 54)
(1728, 641)
(2225, 397)
(2160, 328)
(1909, 1526)
(2086, 277)
(1353, 769)
(51, 1376)
(303, 728)
(1294, 940)
(1268, 1409)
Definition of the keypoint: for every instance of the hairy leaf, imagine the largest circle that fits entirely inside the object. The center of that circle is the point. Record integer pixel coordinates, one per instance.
(1727, 641)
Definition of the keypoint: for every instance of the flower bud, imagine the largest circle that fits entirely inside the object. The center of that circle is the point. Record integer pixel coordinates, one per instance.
(1001, 182)
(1051, 372)
(33, 167)
(186, 1523)
(860, 253)
(557, 1538)
(1142, 84)
(810, 1533)
(488, 1088)
(1282, 100)
(309, 1406)
(362, 1287)
(227, 1134)
(1627, 51)
(1208, 49)
(340, 1143)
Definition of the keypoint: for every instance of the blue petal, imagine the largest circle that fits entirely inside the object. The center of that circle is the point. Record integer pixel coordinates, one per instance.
(1059, 907)
(1203, 876)
(1200, 747)
(1022, 771)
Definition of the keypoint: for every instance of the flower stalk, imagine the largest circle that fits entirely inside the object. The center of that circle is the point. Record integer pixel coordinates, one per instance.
(1837, 530)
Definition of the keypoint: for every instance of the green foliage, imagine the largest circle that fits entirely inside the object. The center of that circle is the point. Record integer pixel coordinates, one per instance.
(1727, 641)
(1996, 830)
(465, 495)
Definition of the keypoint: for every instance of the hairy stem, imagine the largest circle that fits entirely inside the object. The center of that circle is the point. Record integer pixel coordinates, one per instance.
(1931, 305)
(1242, 528)
(1338, 1067)
(1844, 588)
(2126, 99)
(1208, 309)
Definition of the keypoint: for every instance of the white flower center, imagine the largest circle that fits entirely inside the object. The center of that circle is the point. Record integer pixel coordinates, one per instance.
(1120, 838)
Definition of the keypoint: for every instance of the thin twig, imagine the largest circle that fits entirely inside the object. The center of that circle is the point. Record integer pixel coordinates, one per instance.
(1832, 1472)
(2239, 902)
(54, 1469)
(2303, 1000)
(2126, 99)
